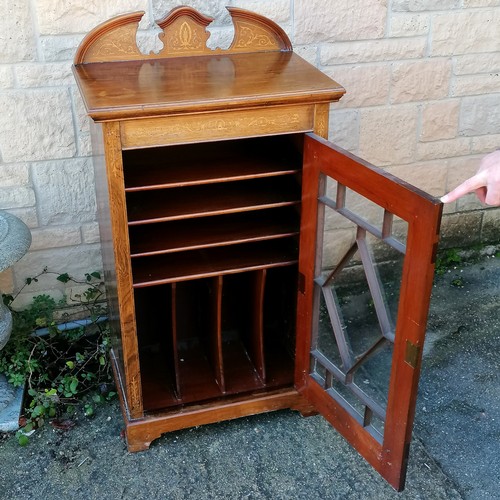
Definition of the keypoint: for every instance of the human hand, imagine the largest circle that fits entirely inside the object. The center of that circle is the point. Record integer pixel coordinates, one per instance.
(486, 183)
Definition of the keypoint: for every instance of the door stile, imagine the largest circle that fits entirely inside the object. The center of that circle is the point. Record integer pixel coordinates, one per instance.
(407, 359)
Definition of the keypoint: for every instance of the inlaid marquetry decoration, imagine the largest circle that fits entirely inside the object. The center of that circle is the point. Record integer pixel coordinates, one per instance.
(321, 115)
(177, 130)
(254, 33)
(184, 33)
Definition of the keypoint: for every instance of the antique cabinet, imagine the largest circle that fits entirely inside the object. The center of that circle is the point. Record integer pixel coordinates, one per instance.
(213, 178)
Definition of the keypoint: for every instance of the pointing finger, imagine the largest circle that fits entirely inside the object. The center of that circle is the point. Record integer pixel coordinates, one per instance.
(466, 187)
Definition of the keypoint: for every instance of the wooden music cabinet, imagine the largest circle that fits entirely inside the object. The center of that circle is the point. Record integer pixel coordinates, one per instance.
(212, 169)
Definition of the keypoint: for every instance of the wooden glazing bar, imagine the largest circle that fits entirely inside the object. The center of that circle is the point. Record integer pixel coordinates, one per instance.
(376, 287)
(359, 221)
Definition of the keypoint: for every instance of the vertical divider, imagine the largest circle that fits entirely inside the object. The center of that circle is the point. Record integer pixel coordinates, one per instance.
(256, 341)
(215, 350)
(175, 347)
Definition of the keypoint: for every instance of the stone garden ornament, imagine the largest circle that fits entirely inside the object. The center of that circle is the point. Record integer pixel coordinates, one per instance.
(15, 239)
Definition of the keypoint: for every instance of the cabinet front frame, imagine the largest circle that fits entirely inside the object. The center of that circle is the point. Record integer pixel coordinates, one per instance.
(118, 136)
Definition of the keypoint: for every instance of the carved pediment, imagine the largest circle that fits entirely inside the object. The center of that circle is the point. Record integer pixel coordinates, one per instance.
(184, 33)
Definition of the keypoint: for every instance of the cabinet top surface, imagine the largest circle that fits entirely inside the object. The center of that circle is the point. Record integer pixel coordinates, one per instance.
(147, 88)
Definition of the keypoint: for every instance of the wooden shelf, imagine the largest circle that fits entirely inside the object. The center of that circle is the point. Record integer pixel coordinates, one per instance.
(191, 234)
(201, 201)
(208, 163)
(158, 269)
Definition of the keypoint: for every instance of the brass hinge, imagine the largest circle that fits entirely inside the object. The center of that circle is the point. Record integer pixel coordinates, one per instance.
(411, 354)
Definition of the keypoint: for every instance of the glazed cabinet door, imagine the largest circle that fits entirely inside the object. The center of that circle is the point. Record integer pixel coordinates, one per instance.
(367, 251)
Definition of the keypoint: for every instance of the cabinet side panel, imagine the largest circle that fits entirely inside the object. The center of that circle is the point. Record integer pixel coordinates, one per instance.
(122, 268)
(104, 219)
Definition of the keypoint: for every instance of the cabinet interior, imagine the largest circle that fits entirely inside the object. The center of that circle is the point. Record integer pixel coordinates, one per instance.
(213, 230)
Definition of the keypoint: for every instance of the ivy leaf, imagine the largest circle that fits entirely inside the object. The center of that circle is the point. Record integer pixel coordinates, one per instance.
(63, 278)
(38, 410)
(73, 385)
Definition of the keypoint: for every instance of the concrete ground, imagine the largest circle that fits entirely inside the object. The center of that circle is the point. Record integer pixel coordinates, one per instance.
(455, 451)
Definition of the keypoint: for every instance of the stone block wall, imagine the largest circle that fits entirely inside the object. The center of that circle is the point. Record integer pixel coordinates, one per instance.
(423, 101)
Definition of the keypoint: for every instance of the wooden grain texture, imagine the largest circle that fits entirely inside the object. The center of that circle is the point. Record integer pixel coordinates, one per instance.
(145, 207)
(184, 33)
(321, 117)
(210, 162)
(182, 129)
(254, 33)
(183, 266)
(194, 234)
(216, 332)
(208, 83)
(256, 332)
(200, 364)
(123, 271)
(422, 213)
(106, 239)
(141, 433)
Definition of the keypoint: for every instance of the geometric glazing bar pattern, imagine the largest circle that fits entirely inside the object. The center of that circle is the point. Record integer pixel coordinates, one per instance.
(358, 372)
(326, 372)
(385, 234)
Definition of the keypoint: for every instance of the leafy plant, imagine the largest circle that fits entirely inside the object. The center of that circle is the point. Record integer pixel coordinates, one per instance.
(446, 260)
(66, 370)
(458, 282)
